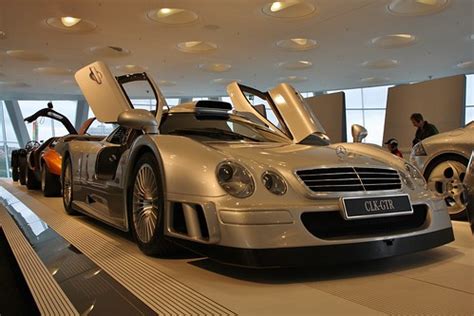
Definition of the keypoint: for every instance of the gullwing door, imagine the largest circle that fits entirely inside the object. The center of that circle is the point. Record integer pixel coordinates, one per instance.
(108, 96)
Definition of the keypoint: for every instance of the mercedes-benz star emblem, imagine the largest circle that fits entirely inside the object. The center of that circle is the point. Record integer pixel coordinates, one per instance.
(341, 152)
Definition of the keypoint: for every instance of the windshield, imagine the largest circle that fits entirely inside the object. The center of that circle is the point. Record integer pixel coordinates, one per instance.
(216, 126)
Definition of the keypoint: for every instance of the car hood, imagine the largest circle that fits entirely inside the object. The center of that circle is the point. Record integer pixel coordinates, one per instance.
(297, 156)
(465, 134)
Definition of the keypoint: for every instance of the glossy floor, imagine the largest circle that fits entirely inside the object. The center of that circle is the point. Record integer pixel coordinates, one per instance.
(439, 281)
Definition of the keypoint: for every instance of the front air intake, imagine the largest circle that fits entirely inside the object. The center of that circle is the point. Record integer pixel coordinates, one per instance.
(350, 179)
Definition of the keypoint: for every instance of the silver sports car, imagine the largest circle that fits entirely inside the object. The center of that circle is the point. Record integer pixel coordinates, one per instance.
(443, 159)
(227, 183)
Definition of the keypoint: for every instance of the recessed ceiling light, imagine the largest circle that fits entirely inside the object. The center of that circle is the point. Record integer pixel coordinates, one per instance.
(394, 40)
(108, 51)
(131, 68)
(3, 35)
(215, 67)
(196, 47)
(289, 9)
(13, 84)
(471, 37)
(69, 21)
(55, 71)
(375, 80)
(71, 24)
(28, 55)
(172, 16)
(296, 65)
(224, 81)
(166, 83)
(380, 64)
(297, 44)
(293, 79)
(416, 7)
(466, 65)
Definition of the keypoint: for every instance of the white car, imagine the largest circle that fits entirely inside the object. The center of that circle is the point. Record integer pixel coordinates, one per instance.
(229, 184)
(443, 159)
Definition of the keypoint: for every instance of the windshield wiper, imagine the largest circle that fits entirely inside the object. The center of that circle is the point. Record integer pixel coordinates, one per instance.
(213, 132)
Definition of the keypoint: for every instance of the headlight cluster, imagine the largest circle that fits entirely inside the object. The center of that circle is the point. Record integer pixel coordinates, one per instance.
(236, 180)
(419, 150)
(274, 182)
(414, 174)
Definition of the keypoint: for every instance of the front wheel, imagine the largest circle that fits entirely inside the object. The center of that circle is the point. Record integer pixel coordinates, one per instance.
(146, 207)
(67, 181)
(50, 184)
(446, 178)
(22, 166)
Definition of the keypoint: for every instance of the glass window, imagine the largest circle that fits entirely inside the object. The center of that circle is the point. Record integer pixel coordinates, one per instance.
(372, 119)
(42, 128)
(375, 97)
(68, 109)
(307, 94)
(199, 98)
(470, 90)
(8, 141)
(146, 104)
(353, 98)
(100, 129)
(172, 101)
(469, 114)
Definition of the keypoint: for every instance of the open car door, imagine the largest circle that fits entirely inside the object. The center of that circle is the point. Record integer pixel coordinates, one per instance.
(108, 96)
(291, 117)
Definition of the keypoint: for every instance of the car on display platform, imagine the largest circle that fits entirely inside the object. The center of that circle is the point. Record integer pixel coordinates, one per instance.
(229, 184)
(443, 160)
(38, 165)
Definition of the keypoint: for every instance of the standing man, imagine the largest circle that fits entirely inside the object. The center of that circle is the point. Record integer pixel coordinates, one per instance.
(424, 129)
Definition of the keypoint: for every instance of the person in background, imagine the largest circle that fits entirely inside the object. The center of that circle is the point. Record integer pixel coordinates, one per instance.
(392, 145)
(424, 129)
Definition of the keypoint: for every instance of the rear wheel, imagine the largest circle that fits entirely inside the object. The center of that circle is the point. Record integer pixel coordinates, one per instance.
(22, 166)
(50, 184)
(14, 166)
(446, 178)
(32, 182)
(146, 208)
(67, 186)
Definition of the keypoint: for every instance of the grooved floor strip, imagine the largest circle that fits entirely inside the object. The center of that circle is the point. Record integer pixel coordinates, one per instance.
(161, 292)
(47, 294)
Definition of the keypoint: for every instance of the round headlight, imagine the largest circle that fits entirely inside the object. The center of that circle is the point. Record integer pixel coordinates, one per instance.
(235, 179)
(274, 183)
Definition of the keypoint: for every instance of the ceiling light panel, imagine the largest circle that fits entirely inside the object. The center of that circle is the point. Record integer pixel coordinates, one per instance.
(172, 16)
(71, 24)
(289, 9)
(131, 68)
(166, 83)
(196, 47)
(27, 55)
(417, 7)
(394, 41)
(466, 65)
(292, 79)
(380, 64)
(215, 67)
(296, 65)
(224, 81)
(53, 71)
(297, 44)
(108, 51)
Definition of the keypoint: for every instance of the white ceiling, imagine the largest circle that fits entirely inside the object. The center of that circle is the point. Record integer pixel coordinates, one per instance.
(246, 39)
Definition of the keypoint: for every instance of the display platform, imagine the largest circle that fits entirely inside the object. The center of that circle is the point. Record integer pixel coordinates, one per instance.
(438, 281)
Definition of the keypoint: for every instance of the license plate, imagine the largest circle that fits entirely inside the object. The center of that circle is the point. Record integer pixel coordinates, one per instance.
(365, 207)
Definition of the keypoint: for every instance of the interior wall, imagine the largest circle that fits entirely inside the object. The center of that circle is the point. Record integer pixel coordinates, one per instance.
(440, 101)
(330, 109)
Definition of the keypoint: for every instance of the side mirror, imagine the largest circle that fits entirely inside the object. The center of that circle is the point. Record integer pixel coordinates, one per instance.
(139, 119)
(358, 133)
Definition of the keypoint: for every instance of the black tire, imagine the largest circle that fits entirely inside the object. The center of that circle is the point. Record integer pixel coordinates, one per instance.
(437, 161)
(50, 184)
(15, 174)
(66, 173)
(32, 182)
(22, 166)
(157, 244)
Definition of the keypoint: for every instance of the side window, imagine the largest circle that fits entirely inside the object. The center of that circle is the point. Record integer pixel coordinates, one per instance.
(100, 129)
(119, 136)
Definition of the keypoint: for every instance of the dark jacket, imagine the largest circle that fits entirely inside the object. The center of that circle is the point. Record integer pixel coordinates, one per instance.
(425, 131)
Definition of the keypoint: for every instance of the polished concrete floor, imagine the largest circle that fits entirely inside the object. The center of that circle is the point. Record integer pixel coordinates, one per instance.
(435, 282)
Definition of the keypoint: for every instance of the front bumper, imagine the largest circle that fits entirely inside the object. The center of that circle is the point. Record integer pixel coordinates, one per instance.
(321, 255)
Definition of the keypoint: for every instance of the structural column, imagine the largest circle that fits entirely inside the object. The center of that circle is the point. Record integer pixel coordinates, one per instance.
(82, 112)
(16, 118)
